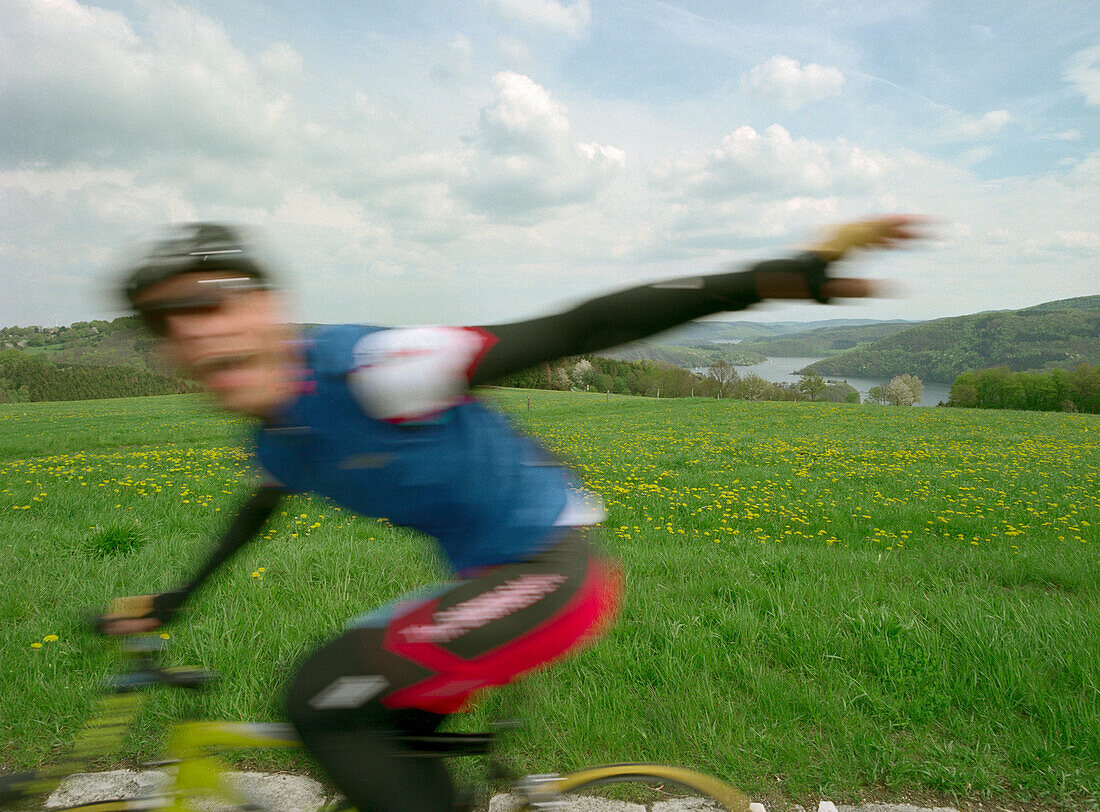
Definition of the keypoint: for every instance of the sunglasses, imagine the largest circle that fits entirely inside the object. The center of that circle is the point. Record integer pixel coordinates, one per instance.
(210, 297)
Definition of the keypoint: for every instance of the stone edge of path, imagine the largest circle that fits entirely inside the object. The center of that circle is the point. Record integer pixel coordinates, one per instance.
(293, 793)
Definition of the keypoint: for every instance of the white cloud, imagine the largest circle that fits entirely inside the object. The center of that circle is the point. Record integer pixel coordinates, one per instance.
(84, 85)
(571, 19)
(773, 162)
(523, 119)
(1083, 72)
(975, 156)
(526, 155)
(1086, 173)
(1079, 239)
(975, 128)
(789, 84)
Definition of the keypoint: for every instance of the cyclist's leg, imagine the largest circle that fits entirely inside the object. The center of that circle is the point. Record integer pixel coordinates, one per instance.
(349, 734)
(428, 656)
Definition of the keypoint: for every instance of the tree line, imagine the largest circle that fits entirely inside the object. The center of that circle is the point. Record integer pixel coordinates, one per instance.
(1076, 390)
(657, 379)
(28, 378)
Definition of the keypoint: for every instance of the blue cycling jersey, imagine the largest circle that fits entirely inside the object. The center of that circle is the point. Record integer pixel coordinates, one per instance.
(465, 476)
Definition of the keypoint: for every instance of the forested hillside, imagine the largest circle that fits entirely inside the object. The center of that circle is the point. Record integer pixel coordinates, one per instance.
(694, 357)
(121, 342)
(82, 361)
(30, 377)
(825, 340)
(1076, 390)
(1052, 335)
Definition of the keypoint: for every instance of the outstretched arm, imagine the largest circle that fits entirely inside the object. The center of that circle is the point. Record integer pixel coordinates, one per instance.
(628, 315)
(140, 613)
(642, 311)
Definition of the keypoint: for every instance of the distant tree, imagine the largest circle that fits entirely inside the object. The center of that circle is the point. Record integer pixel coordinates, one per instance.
(783, 391)
(876, 394)
(963, 392)
(583, 374)
(840, 392)
(725, 374)
(532, 378)
(1085, 379)
(812, 385)
(998, 388)
(674, 382)
(706, 387)
(898, 393)
(916, 386)
(753, 387)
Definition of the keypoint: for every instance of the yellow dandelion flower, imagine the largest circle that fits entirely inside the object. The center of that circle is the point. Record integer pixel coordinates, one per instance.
(36, 645)
(50, 638)
(165, 635)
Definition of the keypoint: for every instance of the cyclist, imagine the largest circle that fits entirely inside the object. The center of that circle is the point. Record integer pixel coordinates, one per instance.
(381, 421)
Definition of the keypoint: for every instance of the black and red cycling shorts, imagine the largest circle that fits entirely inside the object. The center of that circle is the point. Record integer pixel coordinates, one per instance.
(433, 650)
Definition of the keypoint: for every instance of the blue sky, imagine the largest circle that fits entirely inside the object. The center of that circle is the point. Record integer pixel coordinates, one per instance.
(472, 162)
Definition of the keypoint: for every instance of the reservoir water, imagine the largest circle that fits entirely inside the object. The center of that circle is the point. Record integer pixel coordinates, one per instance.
(783, 370)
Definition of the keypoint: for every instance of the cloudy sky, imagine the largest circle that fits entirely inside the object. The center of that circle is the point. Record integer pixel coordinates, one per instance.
(466, 162)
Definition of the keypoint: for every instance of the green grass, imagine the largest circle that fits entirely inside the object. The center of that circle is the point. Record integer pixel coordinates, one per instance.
(822, 600)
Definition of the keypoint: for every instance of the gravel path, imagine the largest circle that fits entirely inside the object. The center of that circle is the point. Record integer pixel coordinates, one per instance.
(292, 793)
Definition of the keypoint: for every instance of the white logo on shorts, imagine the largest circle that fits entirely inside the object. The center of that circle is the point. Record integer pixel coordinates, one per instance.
(349, 692)
(479, 611)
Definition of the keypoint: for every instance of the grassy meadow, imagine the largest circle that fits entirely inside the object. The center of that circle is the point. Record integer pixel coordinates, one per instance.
(822, 600)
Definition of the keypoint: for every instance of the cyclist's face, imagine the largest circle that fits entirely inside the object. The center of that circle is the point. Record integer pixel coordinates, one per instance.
(233, 341)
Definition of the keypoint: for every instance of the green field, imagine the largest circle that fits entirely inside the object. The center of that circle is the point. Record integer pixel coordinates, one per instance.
(823, 601)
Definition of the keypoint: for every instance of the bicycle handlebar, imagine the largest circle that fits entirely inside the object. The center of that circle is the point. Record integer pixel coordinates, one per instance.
(143, 651)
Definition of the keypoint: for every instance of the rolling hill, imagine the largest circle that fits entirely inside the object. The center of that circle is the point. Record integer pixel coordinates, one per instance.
(826, 341)
(1058, 334)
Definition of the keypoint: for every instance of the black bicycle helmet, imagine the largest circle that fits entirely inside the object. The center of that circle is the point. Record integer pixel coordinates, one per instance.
(194, 247)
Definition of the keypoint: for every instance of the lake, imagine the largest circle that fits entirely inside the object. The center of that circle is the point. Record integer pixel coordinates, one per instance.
(782, 370)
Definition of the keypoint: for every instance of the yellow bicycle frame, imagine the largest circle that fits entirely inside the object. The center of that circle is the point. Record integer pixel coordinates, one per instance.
(189, 747)
(198, 773)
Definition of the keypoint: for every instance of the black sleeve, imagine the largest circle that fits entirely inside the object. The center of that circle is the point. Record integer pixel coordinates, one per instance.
(629, 315)
(247, 523)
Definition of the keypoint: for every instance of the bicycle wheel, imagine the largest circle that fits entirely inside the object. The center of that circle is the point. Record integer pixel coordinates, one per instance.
(658, 788)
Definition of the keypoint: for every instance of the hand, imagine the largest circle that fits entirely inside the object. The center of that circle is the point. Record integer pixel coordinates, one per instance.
(881, 232)
(124, 626)
(129, 615)
(140, 613)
